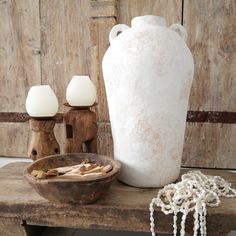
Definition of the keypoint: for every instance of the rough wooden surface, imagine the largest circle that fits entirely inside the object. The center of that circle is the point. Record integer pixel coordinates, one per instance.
(80, 131)
(122, 208)
(103, 8)
(14, 139)
(43, 141)
(11, 226)
(19, 67)
(99, 31)
(210, 145)
(223, 117)
(170, 9)
(19, 52)
(212, 38)
(64, 43)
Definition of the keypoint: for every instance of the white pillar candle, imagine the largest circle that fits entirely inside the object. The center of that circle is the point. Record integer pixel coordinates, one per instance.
(81, 91)
(41, 101)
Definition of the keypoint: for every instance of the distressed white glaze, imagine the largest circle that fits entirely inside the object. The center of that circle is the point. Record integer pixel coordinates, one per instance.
(148, 72)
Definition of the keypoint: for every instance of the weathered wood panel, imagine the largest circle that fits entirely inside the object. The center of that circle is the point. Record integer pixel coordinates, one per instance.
(72, 37)
(105, 142)
(210, 145)
(171, 10)
(14, 139)
(99, 30)
(11, 226)
(212, 38)
(19, 67)
(65, 41)
(103, 8)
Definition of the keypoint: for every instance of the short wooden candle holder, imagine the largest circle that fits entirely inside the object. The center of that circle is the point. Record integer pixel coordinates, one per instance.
(43, 141)
(81, 130)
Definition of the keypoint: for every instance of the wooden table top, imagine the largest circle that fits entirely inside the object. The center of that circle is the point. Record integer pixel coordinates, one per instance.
(121, 208)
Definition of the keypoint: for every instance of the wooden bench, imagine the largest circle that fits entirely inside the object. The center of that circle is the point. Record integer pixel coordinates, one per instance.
(23, 211)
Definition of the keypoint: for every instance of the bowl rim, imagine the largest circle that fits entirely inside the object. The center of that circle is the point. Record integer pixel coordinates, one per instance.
(115, 170)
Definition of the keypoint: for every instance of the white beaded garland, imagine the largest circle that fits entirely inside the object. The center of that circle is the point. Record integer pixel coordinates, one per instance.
(193, 193)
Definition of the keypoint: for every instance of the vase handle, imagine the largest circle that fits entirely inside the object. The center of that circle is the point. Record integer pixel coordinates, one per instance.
(116, 30)
(180, 30)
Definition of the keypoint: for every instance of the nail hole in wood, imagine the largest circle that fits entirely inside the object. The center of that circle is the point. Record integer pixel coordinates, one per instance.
(34, 152)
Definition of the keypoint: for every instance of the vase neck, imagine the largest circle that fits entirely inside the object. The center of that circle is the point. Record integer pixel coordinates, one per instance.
(148, 20)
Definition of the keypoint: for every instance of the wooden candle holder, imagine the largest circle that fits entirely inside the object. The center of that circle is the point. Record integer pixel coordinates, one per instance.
(43, 141)
(80, 130)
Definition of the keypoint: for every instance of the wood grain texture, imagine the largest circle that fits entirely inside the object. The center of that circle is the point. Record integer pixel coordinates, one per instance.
(169, 9)
(210, 145)
(60, 134)
(99, 32)
(14, 139)
(65, 45)
(11, 226)
(19, 52)
(121, 208)
(223, 117)
(80, 131)
(212, 39)
(19, 67)
(105, 141)
(43, 141)
(65, 40)
(72, 38)
(103, 8)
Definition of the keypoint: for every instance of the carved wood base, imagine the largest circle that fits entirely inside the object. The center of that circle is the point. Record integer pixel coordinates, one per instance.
(81, 131)
(43, 141)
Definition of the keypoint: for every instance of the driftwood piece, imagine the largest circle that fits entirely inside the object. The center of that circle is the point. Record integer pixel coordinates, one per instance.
(121, 208)
(81, 131)
(43, 141)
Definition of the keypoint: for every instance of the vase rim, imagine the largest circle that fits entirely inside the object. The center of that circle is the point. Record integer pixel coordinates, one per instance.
(148, 19)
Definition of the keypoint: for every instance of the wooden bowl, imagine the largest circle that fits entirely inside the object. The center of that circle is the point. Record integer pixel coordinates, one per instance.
(72, 190)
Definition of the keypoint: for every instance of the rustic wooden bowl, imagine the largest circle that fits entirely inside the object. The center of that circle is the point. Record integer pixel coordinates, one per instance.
(72, 190)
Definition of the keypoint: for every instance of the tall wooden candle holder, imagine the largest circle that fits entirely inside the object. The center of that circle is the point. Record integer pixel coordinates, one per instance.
(43, 141)
(81, 130)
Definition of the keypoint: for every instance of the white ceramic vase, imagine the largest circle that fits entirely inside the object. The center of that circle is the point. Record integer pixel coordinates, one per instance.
(81, 91)
(41, 101)
(148, 71)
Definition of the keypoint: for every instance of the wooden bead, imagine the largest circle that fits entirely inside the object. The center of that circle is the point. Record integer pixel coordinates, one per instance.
(43, 141)
(80, 131)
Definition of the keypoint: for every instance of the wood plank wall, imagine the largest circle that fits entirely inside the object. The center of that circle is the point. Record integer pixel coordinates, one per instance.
(46, 42)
